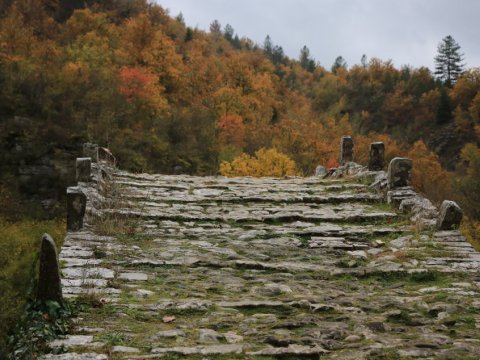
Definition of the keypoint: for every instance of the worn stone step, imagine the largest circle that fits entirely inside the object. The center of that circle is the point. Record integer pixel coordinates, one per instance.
(352, 217)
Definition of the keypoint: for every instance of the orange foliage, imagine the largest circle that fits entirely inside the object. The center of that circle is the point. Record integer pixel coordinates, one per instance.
(332, 163)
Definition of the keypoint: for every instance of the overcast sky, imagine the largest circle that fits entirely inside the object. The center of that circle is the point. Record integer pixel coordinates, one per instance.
(404, 31)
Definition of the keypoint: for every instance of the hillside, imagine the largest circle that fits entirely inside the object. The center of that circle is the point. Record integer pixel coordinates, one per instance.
(166, 97)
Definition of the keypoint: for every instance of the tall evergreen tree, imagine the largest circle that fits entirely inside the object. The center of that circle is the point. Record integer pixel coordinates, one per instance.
(449, 61)
(228, 32)
(305, 61)
(180, 18)
(278, 55)
(364, 61)
(268, 46)
(339, 63)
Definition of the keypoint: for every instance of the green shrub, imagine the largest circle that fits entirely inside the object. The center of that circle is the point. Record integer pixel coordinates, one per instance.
(20, 243)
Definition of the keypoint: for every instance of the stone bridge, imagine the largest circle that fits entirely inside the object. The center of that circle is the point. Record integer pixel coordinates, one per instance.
(352, 264)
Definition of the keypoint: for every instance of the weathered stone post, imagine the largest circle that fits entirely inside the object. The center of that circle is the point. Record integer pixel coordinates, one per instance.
(76, 204)
(49, 284)
(399, 172)
(91, 150)
(376, 161)
(83, 168)
(450, 216)
(346, 150)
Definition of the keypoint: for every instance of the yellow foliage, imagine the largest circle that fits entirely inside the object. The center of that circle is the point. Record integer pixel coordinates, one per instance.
(266, 162)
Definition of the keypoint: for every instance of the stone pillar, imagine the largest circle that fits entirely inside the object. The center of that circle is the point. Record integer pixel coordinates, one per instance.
(49, 284)
(91, 151)
(83, 167)
(376, 160)
(399, 172)
(450, 216)
(346, 150)
(76, 204)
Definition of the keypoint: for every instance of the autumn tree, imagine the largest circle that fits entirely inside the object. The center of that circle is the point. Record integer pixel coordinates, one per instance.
(265, 162)
(428, 176)
(449, 61)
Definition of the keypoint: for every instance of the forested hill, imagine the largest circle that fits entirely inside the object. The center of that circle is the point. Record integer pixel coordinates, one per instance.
(167, 97)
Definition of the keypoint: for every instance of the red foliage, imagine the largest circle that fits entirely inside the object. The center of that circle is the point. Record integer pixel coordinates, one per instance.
(134, 82)
(232, 130)
(332, 163)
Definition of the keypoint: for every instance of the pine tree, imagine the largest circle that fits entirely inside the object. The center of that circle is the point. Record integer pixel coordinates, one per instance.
(448, 62)
(364, 61)
(278, 55)
(305, 61)
(268, 46)
(180, 18)
(228, 32)
(339, 63)
(215, 27)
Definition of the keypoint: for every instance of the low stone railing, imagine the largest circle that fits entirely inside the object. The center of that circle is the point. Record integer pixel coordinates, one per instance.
(395, 183)
(92, 170)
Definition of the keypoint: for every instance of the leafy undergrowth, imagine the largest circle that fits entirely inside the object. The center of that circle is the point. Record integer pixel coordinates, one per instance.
(39, 324)
(18, 267)
(44, 322)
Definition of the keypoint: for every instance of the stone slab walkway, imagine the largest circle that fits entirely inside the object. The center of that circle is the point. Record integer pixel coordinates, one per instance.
(247, 268)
